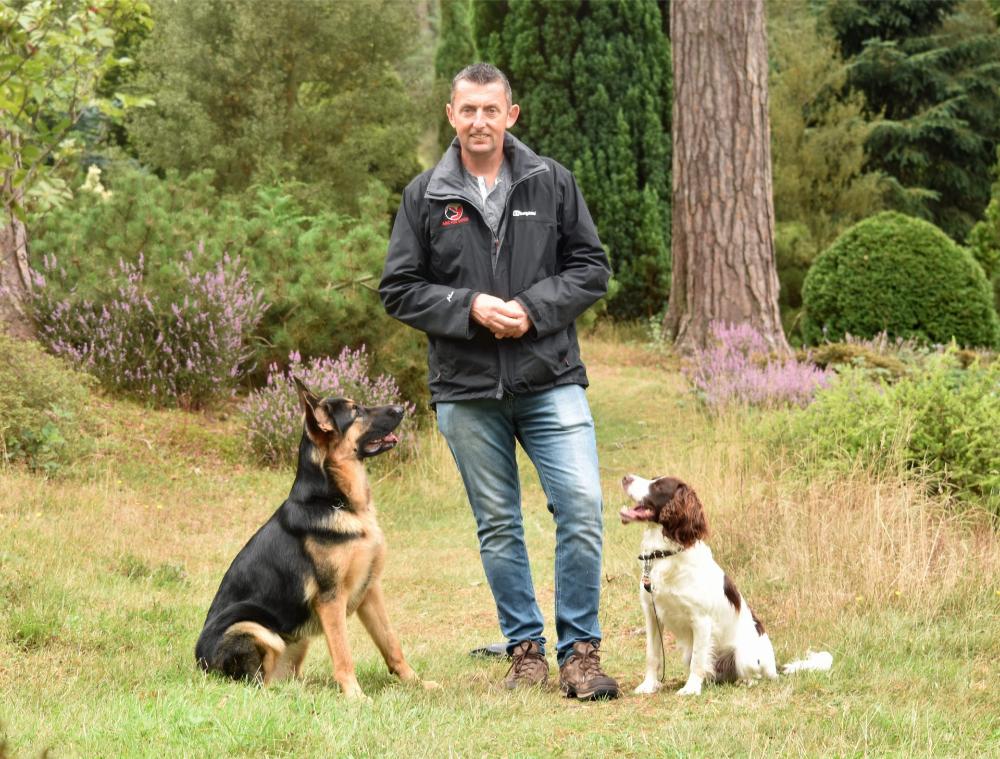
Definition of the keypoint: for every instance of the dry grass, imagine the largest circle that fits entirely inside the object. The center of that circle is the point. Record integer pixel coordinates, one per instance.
(105, 577)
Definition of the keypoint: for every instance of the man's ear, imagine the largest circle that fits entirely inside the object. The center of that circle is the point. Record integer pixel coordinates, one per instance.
(512, 113)
(450, 113)
(318, 422)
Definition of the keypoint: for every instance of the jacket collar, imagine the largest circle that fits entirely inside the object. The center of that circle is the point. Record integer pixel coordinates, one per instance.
(447, 179)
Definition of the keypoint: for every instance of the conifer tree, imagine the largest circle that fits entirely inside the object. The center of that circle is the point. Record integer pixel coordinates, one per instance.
(455, 51)
(929, 69)
(259, 91)
(593, 82)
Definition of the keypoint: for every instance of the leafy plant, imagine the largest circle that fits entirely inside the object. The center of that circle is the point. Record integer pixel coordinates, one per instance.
(43, 407)
(274, 415)
(940, 421)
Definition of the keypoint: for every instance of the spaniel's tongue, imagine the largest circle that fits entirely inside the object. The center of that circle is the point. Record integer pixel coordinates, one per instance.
(635, 514)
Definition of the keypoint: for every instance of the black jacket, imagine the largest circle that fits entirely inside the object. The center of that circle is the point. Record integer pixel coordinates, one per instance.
(550, 260)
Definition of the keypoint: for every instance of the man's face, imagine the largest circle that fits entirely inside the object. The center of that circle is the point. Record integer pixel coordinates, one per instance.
(481, 115)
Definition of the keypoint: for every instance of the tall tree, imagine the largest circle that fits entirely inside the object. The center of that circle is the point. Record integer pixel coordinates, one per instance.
(593, 82)
(455, 51)
(258, 91)
(931, 70)
(53, 55)
(723, 216)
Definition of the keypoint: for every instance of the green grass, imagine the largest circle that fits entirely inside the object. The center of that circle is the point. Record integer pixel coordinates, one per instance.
(106, 574)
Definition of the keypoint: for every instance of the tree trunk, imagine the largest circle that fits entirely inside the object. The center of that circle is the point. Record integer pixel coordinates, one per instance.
(723, 213)
(15, 279)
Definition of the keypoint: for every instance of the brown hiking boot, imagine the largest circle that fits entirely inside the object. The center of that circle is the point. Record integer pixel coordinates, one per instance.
(527, 667)
(580, 675)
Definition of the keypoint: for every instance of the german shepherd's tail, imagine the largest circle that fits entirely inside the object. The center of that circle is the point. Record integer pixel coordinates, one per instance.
(237, 647)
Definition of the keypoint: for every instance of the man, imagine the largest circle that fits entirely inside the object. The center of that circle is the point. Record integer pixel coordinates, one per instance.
(493, 254)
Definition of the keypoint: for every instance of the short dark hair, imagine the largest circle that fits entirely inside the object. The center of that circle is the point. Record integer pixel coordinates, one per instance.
(482, 73)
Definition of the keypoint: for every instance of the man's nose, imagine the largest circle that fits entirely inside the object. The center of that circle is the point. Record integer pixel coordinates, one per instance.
(480, 119)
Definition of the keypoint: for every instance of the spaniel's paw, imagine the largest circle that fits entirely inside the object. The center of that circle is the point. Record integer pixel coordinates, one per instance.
(648, 687)
(691, 689)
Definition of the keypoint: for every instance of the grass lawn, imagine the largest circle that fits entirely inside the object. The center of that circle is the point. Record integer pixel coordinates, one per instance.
(106, 574)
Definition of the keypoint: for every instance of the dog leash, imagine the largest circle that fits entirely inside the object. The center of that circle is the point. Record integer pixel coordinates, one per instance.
(647, 565)
(647, 584)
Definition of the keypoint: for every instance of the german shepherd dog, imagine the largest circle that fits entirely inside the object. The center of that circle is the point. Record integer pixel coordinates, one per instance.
(318, 559)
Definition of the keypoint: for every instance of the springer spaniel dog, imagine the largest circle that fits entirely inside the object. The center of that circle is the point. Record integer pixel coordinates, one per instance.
(686, 592)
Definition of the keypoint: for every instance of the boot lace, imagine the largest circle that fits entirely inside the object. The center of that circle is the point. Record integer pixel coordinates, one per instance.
(590, 662)
(524, 659)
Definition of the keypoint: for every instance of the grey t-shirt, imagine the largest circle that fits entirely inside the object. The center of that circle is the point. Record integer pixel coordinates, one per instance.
(495, 198)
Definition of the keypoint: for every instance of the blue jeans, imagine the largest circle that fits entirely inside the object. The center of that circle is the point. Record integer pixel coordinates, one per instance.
(556, 430)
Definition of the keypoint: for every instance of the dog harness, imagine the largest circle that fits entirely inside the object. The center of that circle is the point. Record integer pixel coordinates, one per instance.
(647, 564)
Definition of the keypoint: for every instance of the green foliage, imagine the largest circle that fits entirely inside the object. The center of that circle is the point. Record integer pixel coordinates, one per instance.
(53, 55)
(265, 92)
(940, 422)
(594, 84)
(984, 241)
(929, 69)
(487, 27)
(794, 251)
(903, 276)
(817, 137)
(455, 51)
(43, 404)
(318, 269)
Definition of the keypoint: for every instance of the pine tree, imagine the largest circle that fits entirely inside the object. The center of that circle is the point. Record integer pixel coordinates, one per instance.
(593, 82)
(259, 91)
(455, 51)
(931, 70)
(723, 226)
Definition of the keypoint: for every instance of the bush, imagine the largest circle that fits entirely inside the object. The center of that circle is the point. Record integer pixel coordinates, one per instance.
(43, 406)
(318, 270)
(903, 276)
(189, 350)
(274, 414)
(941, 421)
(740, 369)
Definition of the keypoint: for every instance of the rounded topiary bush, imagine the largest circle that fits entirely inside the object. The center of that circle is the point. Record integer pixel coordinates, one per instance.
(903, 276)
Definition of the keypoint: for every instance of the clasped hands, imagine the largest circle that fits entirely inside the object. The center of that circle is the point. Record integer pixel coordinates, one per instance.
(502, 318)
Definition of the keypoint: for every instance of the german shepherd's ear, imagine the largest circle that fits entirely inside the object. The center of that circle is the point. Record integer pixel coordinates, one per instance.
(319, 425)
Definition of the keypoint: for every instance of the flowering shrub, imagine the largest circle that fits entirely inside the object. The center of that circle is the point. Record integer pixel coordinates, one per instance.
(274, 416)
(740, 369)
(188, 350)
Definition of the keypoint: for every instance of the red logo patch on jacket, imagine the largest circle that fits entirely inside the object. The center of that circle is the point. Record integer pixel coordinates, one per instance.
(454, 214)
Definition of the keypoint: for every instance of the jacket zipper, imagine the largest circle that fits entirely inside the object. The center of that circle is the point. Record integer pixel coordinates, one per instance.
(498, 241)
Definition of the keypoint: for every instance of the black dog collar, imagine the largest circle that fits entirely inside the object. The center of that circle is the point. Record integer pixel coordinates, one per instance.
(647, 564)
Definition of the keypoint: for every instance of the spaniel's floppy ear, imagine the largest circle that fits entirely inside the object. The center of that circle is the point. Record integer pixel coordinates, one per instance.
(683, 519)
(318, 422)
